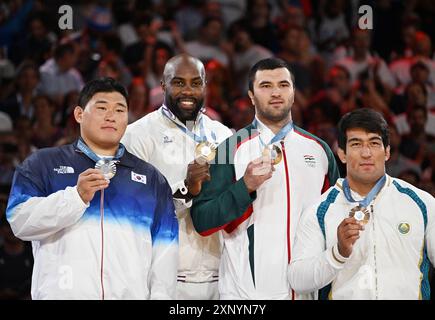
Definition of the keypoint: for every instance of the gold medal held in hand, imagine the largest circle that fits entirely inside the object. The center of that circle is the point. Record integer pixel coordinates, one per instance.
(360, 214)
(107, 167)
(205, 152)
(274, 152)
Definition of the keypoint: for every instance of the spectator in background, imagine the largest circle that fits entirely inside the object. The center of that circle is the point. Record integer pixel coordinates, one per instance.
(360, 60)
(331, 29)
(208, 44)
(137, 100)
(408, 29)
(263, 32)
(398, 163)
(417, 144)
(338, 98)
(20, 102)
(58, 75)
(45, 133)
(244, 53)
(218, 88)
(242, 113)
(16, 262)
(36, 45)
(152, 71)
(308, 68)
(110, 48)
(134, 53)
(422, 51)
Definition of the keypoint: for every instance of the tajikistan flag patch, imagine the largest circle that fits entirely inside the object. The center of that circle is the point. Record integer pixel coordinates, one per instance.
(138, 177)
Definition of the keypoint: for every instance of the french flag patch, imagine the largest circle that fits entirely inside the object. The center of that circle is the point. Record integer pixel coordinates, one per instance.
(138, 177)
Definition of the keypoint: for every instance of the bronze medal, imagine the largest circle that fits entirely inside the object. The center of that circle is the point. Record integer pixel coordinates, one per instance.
(360, 214)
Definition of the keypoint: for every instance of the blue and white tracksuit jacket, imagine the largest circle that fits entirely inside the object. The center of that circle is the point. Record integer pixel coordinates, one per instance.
(130, 253)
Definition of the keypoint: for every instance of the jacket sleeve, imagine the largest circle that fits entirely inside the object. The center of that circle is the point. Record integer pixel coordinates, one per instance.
(313, 266)
(33, 215)
(222, 200)
(164, 265)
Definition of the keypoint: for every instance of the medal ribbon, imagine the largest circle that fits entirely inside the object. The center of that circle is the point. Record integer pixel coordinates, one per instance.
(279, 136)
(91, 154)
(370, 196)
(197, 138)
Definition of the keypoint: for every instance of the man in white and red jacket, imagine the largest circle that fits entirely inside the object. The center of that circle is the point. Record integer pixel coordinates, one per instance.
(258, 204)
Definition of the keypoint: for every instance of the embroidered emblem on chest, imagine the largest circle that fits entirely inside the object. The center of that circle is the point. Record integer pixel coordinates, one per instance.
(310, 160)
(404, 227)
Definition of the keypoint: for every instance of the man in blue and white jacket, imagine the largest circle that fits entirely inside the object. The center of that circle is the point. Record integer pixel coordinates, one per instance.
(95, 236)
(370, 236)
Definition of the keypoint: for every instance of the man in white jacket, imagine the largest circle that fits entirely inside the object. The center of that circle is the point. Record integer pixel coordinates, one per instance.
(167, 139)
(370, 236)
(101, 221)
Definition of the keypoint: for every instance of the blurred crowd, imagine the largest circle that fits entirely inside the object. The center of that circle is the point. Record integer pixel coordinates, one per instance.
(337, 67)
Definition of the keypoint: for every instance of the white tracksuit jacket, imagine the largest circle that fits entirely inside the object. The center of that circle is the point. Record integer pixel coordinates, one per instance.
(157, 140)
(390, 260)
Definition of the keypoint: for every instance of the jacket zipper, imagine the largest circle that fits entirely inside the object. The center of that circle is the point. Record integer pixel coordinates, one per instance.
(102, 243)
(374, 254)
(288, 208)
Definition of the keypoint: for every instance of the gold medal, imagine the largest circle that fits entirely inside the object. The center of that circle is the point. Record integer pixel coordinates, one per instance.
(205, 152)
(274, 152)
(360, 214)
(107, 167)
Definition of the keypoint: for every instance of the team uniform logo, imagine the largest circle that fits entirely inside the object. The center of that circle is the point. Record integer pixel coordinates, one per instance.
(310, 160)
(138, 177)
(404, 228)
(64, 170)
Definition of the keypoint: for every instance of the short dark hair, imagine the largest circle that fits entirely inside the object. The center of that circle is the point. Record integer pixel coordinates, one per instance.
(267, 64)
(366, 119)
(100, 85)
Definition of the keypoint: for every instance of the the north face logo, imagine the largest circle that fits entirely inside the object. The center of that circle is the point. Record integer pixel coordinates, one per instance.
(310, 160)
(64, 170)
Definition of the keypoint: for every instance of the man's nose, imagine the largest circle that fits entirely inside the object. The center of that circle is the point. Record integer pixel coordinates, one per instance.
(109, 116)
(366, 151)
(276, 92)
(187, 90)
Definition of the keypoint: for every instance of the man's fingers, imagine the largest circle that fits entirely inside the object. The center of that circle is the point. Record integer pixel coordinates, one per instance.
(94, 176)
(89, 171)
(97, 183)
(350, 233)
(353, 239)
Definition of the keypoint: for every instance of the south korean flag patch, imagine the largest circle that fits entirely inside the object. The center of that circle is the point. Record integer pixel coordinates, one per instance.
(138, 177)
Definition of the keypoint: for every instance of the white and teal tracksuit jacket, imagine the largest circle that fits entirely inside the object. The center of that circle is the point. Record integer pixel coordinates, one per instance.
(391, 258)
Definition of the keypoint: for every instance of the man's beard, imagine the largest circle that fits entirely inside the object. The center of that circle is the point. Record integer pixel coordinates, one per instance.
(180, 113)
(275, 117)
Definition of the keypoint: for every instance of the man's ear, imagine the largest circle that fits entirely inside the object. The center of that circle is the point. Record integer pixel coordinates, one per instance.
(342, 155)
(251, 96)
(162, 85)
(78, 114)
(387, 153)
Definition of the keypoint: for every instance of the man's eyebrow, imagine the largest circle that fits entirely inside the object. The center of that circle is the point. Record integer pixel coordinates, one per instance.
(264, 81)
(375, 138)
(354, 139)
(105, 102)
